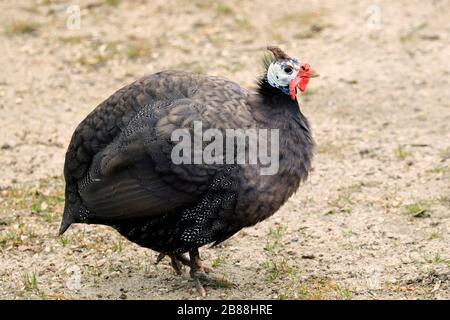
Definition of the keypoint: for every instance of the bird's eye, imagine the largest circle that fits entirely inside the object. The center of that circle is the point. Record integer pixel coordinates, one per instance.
(288, 70)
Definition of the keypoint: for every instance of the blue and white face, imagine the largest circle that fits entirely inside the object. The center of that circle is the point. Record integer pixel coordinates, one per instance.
(288, 74)
(282, 71)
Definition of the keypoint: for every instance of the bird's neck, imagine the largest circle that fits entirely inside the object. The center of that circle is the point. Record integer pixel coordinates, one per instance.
(274, 96)
(277, 109)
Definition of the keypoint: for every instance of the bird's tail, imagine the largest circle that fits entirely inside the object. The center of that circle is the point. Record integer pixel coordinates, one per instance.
(66, 221)
(74, 212)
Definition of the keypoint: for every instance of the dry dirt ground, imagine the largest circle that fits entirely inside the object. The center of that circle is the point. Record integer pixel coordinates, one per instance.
(373, 220)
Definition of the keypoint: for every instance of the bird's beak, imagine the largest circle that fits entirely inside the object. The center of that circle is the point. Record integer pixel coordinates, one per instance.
(313, 73)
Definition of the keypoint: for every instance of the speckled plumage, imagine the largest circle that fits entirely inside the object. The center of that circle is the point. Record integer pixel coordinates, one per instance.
(118, 169)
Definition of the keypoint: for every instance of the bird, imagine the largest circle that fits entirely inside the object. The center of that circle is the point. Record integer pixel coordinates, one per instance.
(120, 168)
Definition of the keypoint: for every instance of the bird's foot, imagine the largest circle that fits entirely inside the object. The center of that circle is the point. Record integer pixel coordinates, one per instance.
(200, 277)
(202, 273)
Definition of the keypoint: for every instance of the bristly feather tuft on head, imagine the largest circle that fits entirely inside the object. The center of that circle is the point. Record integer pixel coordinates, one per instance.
(264, 88)
(267, 60)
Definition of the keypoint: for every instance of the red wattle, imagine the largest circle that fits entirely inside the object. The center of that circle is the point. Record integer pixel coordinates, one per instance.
(300, 81)
(303, 83)
(292, 87)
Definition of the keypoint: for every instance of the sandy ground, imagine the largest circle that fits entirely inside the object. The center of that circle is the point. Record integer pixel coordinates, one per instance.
(373, 220)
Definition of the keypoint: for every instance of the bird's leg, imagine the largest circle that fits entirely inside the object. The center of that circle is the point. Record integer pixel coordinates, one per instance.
(197, 261)
(177, 261)
(159, 258)
(199, 272)
(176, 265)
(183, 259)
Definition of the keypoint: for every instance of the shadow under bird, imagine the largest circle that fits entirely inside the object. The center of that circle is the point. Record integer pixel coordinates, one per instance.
(119, 169)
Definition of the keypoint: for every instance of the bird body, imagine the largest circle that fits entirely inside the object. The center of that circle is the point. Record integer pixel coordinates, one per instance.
(120, 172)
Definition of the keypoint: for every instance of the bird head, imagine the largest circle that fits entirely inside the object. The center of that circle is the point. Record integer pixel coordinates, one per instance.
(287, 73)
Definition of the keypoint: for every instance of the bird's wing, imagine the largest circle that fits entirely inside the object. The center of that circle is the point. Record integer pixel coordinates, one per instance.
(134, 176)
(103, 161)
